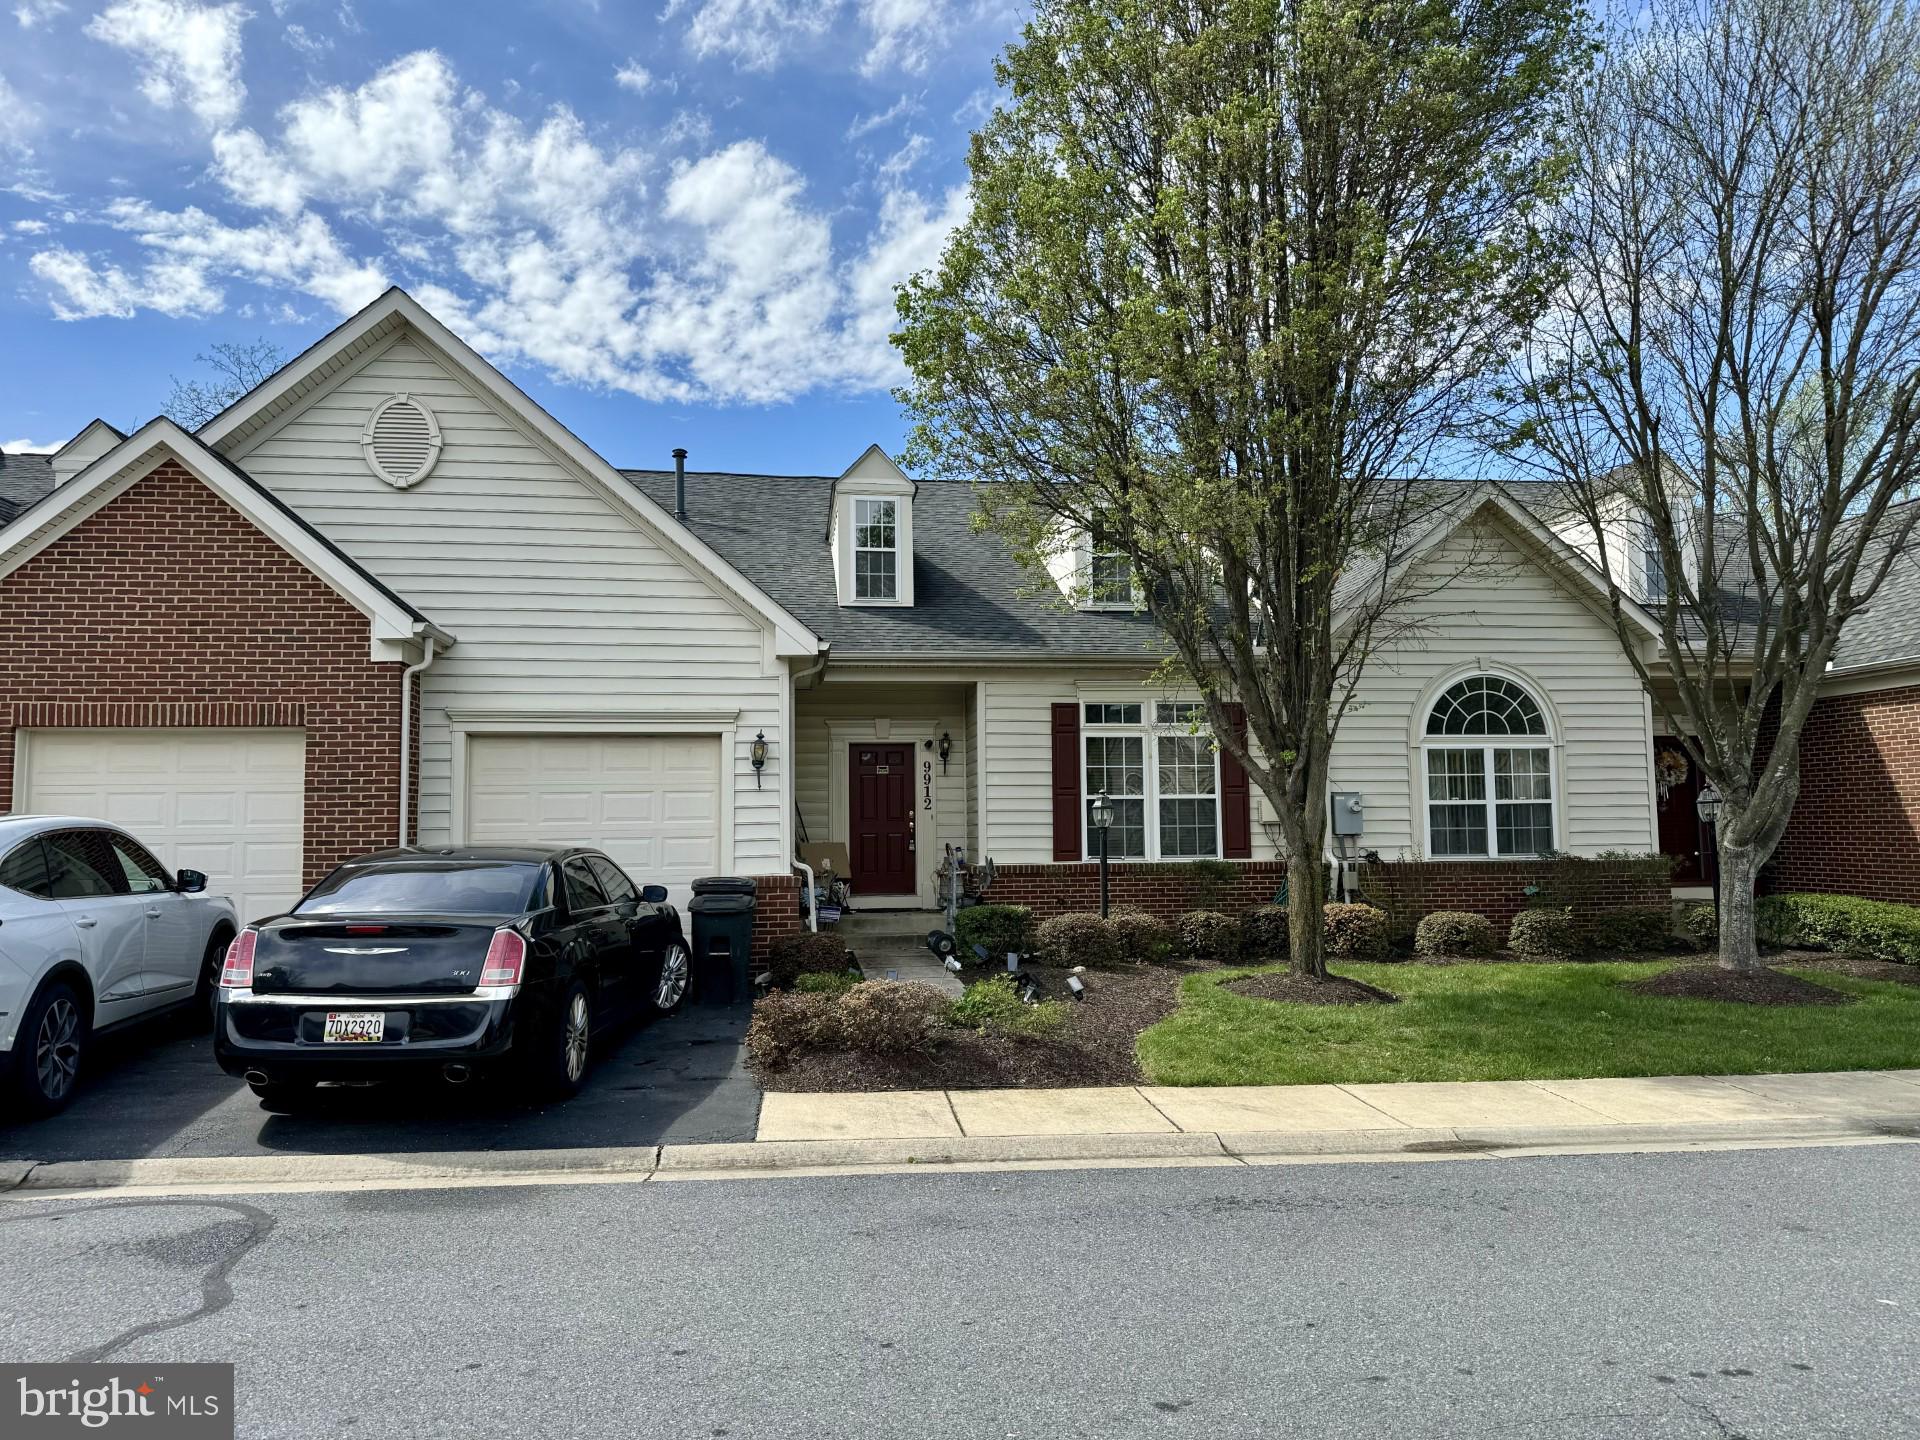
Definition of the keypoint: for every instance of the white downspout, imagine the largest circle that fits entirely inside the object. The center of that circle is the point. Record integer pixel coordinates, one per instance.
(406, 731)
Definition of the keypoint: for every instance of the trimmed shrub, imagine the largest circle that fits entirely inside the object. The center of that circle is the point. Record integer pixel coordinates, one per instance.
(1000, 928)
(1543, 932)
(1454, 934)
(1079, 939)
(827, 982)
(1263, 933)
(1643, 929)
(787, 1023)
(1873, 929)
(993, 1004)
(806, 954)
(1208, 937)
(1141, 935)
(1695, 925)
(887, 1017)
(1357, 932)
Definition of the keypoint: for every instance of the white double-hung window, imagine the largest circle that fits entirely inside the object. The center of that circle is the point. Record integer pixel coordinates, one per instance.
(1162, 778)
(1489, 772)
(876, 550)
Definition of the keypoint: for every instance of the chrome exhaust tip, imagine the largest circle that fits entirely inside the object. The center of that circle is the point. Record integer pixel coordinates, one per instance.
(258, 1077)
(456, 1074)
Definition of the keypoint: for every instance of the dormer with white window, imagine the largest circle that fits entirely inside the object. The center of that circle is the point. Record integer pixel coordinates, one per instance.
(1092, 572)
(870, 532)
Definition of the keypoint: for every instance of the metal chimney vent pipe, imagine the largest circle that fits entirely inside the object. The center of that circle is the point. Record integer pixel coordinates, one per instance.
(679, 482)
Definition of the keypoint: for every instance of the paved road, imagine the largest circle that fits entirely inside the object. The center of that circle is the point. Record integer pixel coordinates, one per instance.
(1761, 1294)
(155, 1090)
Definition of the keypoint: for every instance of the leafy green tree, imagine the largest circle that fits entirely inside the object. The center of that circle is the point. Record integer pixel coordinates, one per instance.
(1234, 271)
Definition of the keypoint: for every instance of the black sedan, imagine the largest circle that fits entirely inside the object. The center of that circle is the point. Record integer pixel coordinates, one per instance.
(448, 962)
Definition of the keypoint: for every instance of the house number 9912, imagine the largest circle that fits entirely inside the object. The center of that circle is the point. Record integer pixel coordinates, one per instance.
(926, 784)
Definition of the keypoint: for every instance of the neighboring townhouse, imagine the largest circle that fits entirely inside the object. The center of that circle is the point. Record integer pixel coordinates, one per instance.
(386, 596)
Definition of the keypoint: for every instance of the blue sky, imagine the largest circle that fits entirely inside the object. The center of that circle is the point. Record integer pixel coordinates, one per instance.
(676, 222)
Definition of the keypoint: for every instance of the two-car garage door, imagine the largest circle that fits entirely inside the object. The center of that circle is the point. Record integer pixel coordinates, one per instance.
(652, 802)
(227, 802)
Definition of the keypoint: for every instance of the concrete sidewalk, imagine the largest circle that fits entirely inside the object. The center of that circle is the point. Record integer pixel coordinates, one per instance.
(1386, 1113)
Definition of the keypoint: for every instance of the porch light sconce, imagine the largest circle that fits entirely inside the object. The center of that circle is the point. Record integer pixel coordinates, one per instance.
(1100, 814)
(1707, 806)
(758, 753)
(946, 749)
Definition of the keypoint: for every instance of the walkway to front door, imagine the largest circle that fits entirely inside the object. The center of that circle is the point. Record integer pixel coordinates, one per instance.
(880, 819)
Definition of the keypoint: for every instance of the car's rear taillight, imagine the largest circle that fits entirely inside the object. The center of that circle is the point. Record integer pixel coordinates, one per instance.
(505, 958)
(237, 973)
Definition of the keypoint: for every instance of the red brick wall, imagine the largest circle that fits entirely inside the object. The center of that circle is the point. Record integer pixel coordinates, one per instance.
(776, 911)
(1496, 889)
(1856, 827)
(168, 608)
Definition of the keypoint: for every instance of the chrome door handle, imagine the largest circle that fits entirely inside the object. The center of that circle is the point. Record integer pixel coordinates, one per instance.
(86, 922)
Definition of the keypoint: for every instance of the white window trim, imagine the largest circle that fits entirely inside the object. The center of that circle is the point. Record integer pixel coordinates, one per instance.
(1148, 731)
(853, 578)
(1090, 600)
(1486, 745)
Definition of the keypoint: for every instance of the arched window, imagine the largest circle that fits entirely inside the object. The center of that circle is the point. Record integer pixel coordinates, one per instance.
(1489, 770)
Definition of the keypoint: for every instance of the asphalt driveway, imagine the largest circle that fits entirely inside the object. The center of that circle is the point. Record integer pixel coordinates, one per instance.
(155, 1090)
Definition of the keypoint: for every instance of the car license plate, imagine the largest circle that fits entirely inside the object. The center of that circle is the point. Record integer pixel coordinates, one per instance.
(354, 1027)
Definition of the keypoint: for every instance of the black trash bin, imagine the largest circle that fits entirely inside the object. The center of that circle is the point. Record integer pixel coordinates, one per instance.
(722, 911)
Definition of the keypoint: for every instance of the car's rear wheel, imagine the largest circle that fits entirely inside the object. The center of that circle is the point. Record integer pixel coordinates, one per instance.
(50, 1048)
(283, 1094)
(562, 1054)
(206, 991)
(676, 972)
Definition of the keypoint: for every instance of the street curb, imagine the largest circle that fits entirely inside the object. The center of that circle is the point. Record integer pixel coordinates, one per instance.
(631, 1164)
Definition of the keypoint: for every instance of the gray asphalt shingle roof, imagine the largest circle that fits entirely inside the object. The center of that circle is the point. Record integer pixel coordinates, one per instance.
(23, 480)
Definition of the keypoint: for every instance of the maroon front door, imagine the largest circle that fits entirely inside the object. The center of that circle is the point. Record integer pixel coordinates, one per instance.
(881, 820)
(1677, 784)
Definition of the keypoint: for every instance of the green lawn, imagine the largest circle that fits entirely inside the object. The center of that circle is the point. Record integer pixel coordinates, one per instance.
(1519, 1022)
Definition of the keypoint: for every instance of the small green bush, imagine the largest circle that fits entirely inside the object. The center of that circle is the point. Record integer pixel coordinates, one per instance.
(1142, 935)
(806, 954)
(1639, 929)
(1872, 929)
(788, 1023)
(1543, 932)
(827, 982)
(1695, 925)
(1357, 932)
(993, 1004)
(1079, 939)
(1002, 929)
(888, 1017)
(1263, 934)
(1454, 934)
(1207, 937)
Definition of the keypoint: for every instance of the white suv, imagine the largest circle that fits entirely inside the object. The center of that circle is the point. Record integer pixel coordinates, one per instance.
(93, 933)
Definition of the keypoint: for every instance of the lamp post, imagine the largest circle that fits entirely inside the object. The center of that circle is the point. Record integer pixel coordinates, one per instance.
(1707, 806)
(1101, 814)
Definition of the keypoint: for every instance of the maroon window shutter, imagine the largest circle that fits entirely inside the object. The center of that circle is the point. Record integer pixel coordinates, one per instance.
(1066, 782)
(1236, 796)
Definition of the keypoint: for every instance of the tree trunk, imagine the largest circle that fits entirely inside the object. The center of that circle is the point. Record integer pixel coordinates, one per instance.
(1306, 912)
(1737, 870)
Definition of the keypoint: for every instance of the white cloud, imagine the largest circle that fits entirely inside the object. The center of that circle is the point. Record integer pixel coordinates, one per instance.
(18, 119)
(31, 227)
(904, 33)
(188, 54)
(306, 42)
(37, 12)
(23, 446)
(755, 34)
(537, 240)
(633, 76)
(895, 167)
(906, 105)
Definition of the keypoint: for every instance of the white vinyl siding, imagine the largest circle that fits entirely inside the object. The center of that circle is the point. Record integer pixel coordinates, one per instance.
(229, 803)
(557, 599)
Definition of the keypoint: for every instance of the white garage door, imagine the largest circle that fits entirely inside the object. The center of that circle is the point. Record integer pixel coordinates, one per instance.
(652, 802)
(229, 802)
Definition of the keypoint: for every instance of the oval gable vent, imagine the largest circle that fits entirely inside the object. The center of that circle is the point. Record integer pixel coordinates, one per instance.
(401, 441)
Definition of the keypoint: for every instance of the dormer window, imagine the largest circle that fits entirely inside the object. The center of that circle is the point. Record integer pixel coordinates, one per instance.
(1109, 573)
(876, 550)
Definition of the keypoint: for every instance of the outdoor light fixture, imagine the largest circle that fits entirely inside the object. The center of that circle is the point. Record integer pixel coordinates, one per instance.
(758, 753)
(1076, 987)
(1100, 813)
(946, 749)
(1707, 806)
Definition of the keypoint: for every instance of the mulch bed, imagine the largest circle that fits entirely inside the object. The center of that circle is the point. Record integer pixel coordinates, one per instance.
(1094, 1048)
(1888, 970)
(1761, 987)
(1298, 990)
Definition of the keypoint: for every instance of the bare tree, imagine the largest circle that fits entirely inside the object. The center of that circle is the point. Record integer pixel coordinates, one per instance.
(1728, 383)
(1234, 269)
(233, 370)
